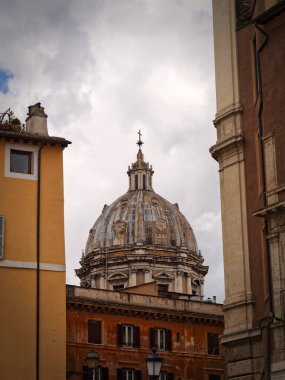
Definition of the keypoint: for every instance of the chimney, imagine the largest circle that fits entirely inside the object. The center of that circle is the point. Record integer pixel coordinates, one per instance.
(36, 122)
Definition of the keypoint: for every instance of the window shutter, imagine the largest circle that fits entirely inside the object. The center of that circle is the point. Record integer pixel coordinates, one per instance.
(87, 374)
(1, 237)
(170, 376)
(94, 332)
(151, 338)
(104, 373)
(120, 373)
(136, 336)
(138, 375)
(120, 335)
(213, 344)
(168, 340)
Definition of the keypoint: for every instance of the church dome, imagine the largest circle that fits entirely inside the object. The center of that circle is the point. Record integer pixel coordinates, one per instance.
(142, 217)
(141, 238)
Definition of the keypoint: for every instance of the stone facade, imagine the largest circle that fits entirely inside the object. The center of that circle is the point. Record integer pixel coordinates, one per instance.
(250, 58)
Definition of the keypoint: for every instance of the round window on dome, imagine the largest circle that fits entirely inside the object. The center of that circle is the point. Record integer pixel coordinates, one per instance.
(154, 202)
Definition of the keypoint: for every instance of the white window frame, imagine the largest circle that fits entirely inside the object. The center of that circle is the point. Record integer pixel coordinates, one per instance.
(130, 374)
(2, 237)
(34, 161)
(128, 335)
(163, 376)
(160, 338)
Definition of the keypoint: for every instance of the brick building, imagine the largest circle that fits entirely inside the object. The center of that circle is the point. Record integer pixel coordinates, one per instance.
(250, 149)
(122, 328)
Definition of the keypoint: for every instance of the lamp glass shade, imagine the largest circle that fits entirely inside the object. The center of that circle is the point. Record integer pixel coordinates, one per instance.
(154, 363)
(153, 367)
(92, 359)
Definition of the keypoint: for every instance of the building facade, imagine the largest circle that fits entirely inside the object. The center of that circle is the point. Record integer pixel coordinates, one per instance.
(142, 278)
(122, 327)
(250, 150)
(32, 254)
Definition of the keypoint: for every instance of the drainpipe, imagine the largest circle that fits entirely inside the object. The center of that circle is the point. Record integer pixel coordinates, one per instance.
(38, 267)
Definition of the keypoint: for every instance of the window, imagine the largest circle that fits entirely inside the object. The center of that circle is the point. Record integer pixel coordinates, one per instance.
(136, 182)
(213, 344)
(94, 331)
(118, 286)
(128, 335)
(1, 237)
(101, 373)
(21, 161)
(166, 376)
(214, 377)
(161, 338)
(128, 374)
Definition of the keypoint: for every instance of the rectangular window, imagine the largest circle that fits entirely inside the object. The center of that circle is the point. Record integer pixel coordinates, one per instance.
(214, 377)
(101, 373)
(1, 237)
(166, 375)
(213, 344)
(128, 335)
(128, 374)
(118, 286)
(20, 161)
(161, 338)
(94, 331)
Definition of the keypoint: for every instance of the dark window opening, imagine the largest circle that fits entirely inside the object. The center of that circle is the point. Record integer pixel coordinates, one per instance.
(118, 286)
(136, 182)
(144, 182)
(94, 331)
(213, 344)
(178, 336)
(162, 288)
(20, 161)
(214, 377)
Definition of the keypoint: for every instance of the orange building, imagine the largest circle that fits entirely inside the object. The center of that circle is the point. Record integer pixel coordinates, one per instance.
(32, 253)
(122, 328)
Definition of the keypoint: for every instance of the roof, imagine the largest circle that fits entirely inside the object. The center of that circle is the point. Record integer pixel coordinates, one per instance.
(14, 135)
(107, 301)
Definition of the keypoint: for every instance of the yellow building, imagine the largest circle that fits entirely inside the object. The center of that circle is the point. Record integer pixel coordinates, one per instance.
(32, 253)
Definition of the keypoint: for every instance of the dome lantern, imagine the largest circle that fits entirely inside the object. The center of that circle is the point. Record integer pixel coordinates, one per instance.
(140, 173)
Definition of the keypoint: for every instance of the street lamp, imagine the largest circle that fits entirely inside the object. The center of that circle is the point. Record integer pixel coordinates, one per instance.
(153, 363)
(92, 360)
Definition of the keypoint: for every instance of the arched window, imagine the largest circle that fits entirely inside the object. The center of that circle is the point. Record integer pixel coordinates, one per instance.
(144, 182)
(136, 182)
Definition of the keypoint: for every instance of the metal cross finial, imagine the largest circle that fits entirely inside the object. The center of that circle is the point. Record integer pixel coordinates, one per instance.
(140, 142)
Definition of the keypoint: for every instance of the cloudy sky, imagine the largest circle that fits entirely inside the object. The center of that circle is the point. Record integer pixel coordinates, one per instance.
(103, 69)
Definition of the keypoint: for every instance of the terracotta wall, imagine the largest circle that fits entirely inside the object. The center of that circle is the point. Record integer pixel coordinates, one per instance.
(188, 359)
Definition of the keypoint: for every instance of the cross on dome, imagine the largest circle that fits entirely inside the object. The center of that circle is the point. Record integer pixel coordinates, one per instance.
(139, 142)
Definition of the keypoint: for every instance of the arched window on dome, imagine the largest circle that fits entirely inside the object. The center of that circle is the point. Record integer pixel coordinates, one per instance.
(136, 182)
(144, 182)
